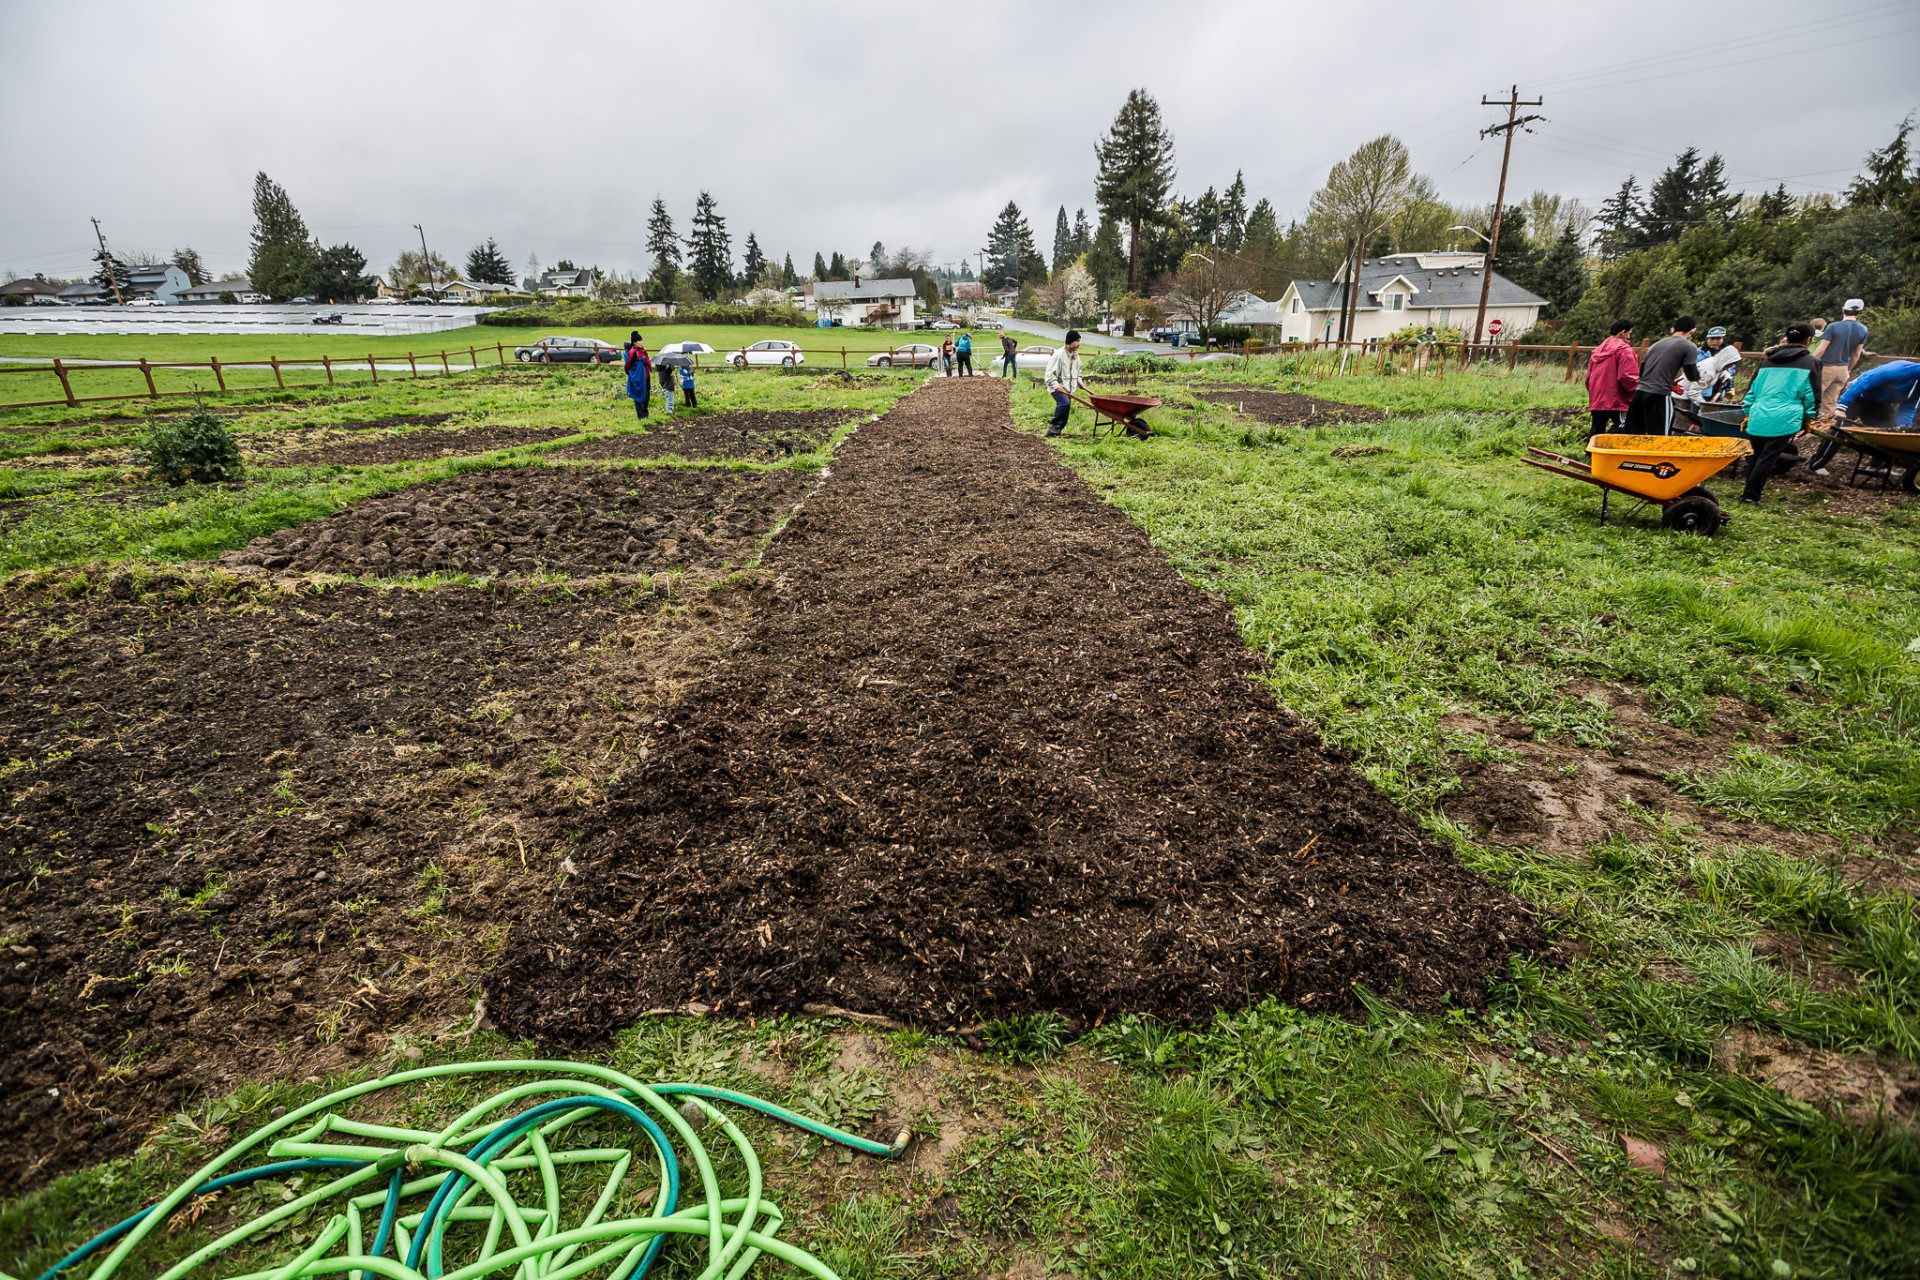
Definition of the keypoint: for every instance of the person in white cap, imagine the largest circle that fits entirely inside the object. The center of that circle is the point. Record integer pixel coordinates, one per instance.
(1839, 353)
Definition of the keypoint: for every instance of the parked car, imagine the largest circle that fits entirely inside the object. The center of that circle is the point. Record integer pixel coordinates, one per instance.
(328, 317)
(988, 322)
(914, 355)
(302, 301)
(146, 302)
(943, 324)
(420, 301)
(563, 350)
(772, 351)
(1136, 351)
(382, 302)
(1026, 360)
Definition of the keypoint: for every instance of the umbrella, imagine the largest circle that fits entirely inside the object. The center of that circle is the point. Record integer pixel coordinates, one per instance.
(686, 348)
(673, 358)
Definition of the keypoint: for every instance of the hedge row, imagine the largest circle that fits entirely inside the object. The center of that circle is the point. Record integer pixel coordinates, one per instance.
(601, 315)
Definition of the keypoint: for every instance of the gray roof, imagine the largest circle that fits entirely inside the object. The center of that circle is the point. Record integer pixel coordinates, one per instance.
(1454, 286)
(865, 290)
(563, 279)
(31, 286)
(238, 284)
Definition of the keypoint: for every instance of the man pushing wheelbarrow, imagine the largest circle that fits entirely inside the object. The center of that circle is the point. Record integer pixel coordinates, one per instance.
(1063, 380)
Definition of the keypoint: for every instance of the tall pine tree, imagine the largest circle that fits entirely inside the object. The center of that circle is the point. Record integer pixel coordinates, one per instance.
(664, 245)
(1012, 257)
(1673, 199)
(1136, 171)
(112, 277)
(819, 266)
(1618, 224)
(755, 264)
(485, 264)
(188, 260)
(1062, 240)
(787, 277)
(1082, 233)
(877, 260)
(284, 253)
(837, 269)
(1233, 214)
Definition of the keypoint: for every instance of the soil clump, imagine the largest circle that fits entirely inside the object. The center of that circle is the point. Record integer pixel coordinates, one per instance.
(985, 752)
(755, 436)
(1290, 408)
(522, 520)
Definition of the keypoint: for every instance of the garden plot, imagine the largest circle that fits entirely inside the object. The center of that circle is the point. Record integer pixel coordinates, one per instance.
(527, 520)
(762, 436)
(412, 446)
(247, 823)
(1289, 408)
(987, 753)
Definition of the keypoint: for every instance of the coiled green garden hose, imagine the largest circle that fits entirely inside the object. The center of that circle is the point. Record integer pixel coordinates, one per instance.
(461, 1183)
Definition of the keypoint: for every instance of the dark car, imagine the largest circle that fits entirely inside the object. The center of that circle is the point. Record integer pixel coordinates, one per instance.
(559, 350)
(328, 317)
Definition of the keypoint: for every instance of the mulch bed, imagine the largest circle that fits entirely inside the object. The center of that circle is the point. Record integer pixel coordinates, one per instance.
(1290, 408)
(523, 520)
(756, 436)
(307, 755)
(986, 752)
(415, 446)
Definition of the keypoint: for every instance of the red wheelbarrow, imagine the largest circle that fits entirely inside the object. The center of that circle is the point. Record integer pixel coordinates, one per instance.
(1119, 413)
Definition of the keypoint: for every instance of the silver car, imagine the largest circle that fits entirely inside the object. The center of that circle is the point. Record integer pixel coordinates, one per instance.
(915, 355)
(773, 351)
(1029, 359)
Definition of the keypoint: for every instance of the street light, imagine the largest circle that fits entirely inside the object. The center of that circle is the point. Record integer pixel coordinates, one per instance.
(1472, 231)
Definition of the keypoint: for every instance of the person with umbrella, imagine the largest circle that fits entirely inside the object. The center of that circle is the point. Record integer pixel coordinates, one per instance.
(667, 379)
(639, 374)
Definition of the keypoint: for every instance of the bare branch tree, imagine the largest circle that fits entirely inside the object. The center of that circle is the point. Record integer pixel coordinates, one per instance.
(1363, 192)
(1204, 288)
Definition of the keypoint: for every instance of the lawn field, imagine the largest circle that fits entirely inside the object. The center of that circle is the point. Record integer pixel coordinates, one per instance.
(476, 722)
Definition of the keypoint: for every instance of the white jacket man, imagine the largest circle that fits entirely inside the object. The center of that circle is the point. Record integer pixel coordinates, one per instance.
(1063, 379)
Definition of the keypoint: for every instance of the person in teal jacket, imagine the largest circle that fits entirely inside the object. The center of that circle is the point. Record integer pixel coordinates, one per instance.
(1782, 399)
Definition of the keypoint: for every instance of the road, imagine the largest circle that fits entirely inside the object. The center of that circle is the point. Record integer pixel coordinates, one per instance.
(1088, 338)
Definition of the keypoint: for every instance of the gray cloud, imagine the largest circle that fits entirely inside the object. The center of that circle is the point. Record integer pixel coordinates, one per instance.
(827, 126)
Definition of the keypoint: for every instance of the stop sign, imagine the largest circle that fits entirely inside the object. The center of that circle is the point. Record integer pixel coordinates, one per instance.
(1494, 326)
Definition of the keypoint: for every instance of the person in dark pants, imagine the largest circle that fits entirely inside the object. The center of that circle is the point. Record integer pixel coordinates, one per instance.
(639, 374)
(964, 350)
(1008, 356)
(1063, 378)
(1613, 375)
(1783, 398)
(667, 380)
(1651, 411)
(686, 386)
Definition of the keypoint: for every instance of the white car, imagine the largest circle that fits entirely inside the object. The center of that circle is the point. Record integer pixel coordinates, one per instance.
(988, 323)
(915, 355)
(1026, 360)
(772, 351)
(146, 302)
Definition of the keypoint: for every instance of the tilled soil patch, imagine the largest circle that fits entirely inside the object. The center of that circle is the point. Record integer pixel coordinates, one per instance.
(525, 520)
(986, 752)
(413, 446)
(756, 436)
(255, 832)
(1289, 408)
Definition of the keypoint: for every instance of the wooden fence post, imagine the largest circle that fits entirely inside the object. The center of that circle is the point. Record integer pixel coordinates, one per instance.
(60, 372)
(843, 357)
(444, 366)
(1513, 357)
(373, 368)
(148, 371)
(411, 365)
(501, 349)
(278, 379)
(326, 362)
(473, 360)
(219, 374)
(1573, 349)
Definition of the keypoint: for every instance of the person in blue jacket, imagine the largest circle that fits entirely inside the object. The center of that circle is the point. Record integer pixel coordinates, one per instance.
(639, 374)
(687, 389)
(1884, 397)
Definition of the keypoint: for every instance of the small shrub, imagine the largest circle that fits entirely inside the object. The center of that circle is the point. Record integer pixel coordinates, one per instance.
(1025, 1038)
(1128, 364)
(196, 449)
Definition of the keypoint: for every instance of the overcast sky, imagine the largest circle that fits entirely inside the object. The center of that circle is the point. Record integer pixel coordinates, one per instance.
(822, 125)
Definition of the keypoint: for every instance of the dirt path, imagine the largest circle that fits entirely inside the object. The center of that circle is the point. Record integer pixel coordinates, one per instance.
(986, 752)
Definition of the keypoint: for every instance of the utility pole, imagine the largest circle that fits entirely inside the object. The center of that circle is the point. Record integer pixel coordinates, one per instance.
(1515, 120)
(106, 263)
(426, 261)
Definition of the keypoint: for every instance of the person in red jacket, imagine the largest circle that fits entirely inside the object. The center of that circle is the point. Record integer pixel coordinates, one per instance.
(1613, 373)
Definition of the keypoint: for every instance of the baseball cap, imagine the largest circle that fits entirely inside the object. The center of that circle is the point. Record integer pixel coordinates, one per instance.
(1718, 331)
(1854, 304)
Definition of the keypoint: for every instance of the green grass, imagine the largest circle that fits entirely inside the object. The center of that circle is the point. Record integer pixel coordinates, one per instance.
(1385, 591)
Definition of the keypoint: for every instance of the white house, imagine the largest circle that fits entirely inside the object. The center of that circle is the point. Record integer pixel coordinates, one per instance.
(561, 284)
(470, 291)
(167, 283)
(882, 304)
(1418, 289)
(239, 286)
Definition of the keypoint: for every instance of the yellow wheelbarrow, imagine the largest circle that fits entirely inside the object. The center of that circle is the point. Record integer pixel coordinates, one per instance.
(1665, 471)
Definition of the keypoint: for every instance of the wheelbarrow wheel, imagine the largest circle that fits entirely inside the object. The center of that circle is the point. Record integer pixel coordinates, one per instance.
(1694, 512)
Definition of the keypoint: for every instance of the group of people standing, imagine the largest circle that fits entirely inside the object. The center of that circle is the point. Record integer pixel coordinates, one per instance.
(1802, 379)
(642, 369)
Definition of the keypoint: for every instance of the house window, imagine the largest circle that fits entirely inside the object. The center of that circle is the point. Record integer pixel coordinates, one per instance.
(1394, 301)
(1296, 306)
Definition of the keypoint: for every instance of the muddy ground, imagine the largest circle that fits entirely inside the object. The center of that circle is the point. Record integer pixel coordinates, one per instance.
(256, 830)
(987, 752)
(524, 520)
(757, 436)
(411, 446)
(1289, 408)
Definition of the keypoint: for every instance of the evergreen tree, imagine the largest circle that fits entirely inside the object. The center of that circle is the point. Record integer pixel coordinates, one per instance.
(283, 251)
(1673, 199)
(837, 269)
(819, 267)
(1233, 214)
(664, 245)
(1891, 173)
(340, 274)
(1561, 276)
(877, 260)
(1011, 256)
(709, 249)
(1062, 240)
(112, 276)
(787, 277)
(1203, 221)
(1136, 171)
(1265, 248)
(188, 260)
(754, 264)
(966, 271)
(1106, 258)
(485, 264)
(1082, 233)
(1713, 202)
(1619, 220)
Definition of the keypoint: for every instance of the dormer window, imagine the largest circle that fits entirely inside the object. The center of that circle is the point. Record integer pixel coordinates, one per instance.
(1393, 301)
